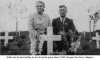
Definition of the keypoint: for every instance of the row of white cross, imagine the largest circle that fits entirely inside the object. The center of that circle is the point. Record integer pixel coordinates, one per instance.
(50, 38)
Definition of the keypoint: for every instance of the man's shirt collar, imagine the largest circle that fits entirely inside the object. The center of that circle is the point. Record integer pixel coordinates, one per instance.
(62, 18)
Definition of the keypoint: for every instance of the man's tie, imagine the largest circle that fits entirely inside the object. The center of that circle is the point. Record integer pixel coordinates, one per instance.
(62, 25)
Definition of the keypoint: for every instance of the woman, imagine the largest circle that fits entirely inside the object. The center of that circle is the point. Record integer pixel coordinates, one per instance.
(37, 22)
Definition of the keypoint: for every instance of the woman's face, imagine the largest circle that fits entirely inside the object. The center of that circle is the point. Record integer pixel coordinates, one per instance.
(39, 7)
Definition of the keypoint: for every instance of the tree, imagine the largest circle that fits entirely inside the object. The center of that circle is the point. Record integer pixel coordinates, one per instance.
(94, 14)
(16, 9)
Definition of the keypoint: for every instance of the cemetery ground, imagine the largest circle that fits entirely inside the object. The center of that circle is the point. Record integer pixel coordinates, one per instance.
(21, 45)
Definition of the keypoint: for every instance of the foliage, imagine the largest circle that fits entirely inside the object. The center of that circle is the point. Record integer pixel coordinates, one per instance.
(22, 41)
(85, 45)
(94, 14)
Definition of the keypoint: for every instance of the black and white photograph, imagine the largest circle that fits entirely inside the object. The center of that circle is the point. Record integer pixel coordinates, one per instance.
(49, 27)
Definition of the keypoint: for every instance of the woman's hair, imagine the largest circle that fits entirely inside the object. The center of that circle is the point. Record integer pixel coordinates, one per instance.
(41, 2)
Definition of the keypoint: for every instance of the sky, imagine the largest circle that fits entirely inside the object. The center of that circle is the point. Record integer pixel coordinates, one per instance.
(20, 10)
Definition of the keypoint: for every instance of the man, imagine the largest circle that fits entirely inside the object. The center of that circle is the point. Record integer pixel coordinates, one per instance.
(38, 23)
(61, 26)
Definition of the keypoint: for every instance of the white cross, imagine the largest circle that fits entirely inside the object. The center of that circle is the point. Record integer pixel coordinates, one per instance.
(6, 37)
(97, 38)
(50, 38)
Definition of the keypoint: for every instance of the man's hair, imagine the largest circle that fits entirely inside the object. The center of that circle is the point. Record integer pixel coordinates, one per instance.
(62, 6)
(41, 2)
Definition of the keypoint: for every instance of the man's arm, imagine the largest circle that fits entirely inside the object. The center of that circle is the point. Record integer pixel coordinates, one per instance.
(54, 27)
(72, 27)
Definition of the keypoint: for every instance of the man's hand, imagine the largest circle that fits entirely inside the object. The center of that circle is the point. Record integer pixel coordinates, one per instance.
(61, 33)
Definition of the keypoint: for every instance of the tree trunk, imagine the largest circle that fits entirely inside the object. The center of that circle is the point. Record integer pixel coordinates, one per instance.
(93, 27)
(90, 30)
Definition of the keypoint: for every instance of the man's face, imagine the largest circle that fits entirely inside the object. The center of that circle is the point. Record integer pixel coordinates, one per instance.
(62, 11)
(39, 7)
